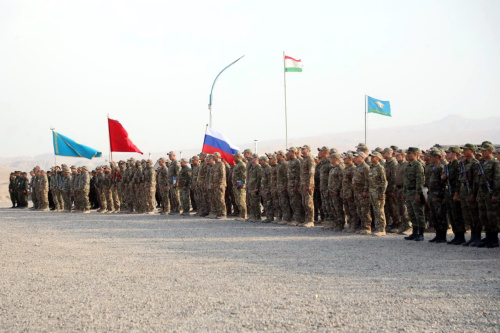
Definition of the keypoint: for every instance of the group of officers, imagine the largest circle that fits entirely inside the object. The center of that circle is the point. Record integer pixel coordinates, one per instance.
(360, 191)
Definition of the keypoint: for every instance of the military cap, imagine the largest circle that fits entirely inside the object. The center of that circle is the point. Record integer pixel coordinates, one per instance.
(362, 146)
(271, 156)
(24, 173)
(195, 157)
(280, 152)
(469, 146)
(375, 153)
(435, 152)
(414, 150)
(292, 149)
(359, 153)
(264, 158)
(121, 162)
(216, 154)
(150, 161)
(247, 151)
(255, 155)
(66, 171)
(348, 154)
(388, 150)
(482, 143)
(335, 155)
(325, 148)
(379, 149)
(162, 159)
(237, 154)
(487, 146)
(202, 153)
(84, 168)
(453, 149)
(333, 151)
(170, 153)
(138, 162)
(184, 160)
(478, 152)
(394, 148)
(97, 168)
(132, 159)
(73, 167)
(93, 171)
(306, 147)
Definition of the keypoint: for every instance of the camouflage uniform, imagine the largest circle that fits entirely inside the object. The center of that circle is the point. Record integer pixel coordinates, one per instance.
(84, 187)
(102, 196)
(107, 187)
(391, 200)
(400, 218)
(324, 168)
(294, 189)
(53, 190)
(282, 184)
(172, 175)
(116, 179)
(13, 189)
(377, 188)
(253, 186)
(319, 211)
(22, 185)
(360, 185)
(34, 198)
(195, 168)
(239, 177)
(468, 194)
(348, 198)
(150, 187)
(42, 188)
(219, 188)
(436, 199)
(203, 203)
(66, 192)
(452, 171)
(275, 192)
(335, 196)
(265, 190)
(164, 193)
(412, 186)
(185, 188)
(138, 188)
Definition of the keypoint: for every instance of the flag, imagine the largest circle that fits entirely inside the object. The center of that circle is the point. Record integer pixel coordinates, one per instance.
(293, 65)
(380, 107)
(218, 142)
(65, 146)
(118, 138)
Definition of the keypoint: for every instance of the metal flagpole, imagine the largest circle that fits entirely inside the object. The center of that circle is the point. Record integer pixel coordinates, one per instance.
(211, 91)
(110, 152)
(366, 112)
(286, 115)
(55, 159)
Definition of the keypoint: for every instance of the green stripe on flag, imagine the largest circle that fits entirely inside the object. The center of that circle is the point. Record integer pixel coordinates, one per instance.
(379, 112)
(293, 69)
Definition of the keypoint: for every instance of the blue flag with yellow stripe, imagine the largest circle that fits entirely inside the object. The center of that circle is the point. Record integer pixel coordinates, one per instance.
(378, 106)
(65, 146)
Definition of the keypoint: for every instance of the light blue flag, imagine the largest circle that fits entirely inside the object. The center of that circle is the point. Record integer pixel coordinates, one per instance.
(378, 106)
(65, 146)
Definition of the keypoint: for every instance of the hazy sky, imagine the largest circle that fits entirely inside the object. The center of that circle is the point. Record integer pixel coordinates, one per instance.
(151, 64)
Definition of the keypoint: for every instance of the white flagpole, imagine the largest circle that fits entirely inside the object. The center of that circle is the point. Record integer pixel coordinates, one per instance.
(366, 112)
(286, 114)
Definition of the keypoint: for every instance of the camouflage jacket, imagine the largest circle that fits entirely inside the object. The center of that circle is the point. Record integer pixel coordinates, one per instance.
(324, 173)
(66, 183)
(307, 169)
(335, 179)
(254, 178)
(239, 174)
(492, 173)
(202, 174)
(219, 174)
(43, 184)
(22, 184)
(149, 177)
(84, 182)
(414, 177)
(391, 167)
(138, 176)
(452, 172)
(377, 180)
(173, 171)
(360, 177)
(293, 174)
(400, 173)
(162, 176)
(13, 183)
(282, 171)
(436, 184)
(468, 175)
(265, 181)
(194, 174)
(185, 177)
(107, 181)
(347, 174)
(274, 178)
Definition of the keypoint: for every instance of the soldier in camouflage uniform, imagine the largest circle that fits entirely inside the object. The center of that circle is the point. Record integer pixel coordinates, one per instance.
(77, 195)
(307, 169)
(203, 204)
(65, 187)
(13, 189)
(451, 174)
(273, 163)
(173, 174)
(22, 185)
(84, 188)
(348, 193)
(163, 186)
(282, 187)
(294, 187)
(253, 188)
(402, 221)
(228, 193)
(265, 189)
(239, 177)
(436, 198)
(107, 188)
(377, 187)
(218, 186)
(195, 168)
(33, 182)
(323, 168)
(116, 179)
(210, 187)
(468, 194)
(53, 189)
(488, 180)
(150, 187)
(42, 188)
(391, 200)
(319, 209)
(412, 188)
(138, 180)
(360, 185)
(335, 192)
(185, 178)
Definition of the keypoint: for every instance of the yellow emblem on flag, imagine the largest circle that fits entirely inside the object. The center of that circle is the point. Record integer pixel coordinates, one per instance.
(380, 104)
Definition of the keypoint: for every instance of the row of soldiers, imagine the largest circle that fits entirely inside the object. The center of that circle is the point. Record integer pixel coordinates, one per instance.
(385, 190)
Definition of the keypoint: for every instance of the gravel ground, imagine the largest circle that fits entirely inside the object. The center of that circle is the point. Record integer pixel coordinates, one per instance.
(118, 272)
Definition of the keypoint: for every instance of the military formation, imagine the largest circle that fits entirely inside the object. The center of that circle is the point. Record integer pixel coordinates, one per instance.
(408, 192)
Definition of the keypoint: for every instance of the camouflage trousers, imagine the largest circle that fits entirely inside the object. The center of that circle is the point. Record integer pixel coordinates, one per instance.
(337, 205)
(363, 210)
(319, 211)
(327, 205)
(165, 200)
(378, 203)
(55, 197)
(150, 193)
(108, 193)
(14, 197)
(102, 199)
(455, 210)
(488, 212)
(175, 202)
(284, 202)
(308, 205)
(34, 198)
(470, 211)
(401, 214)
(240, 197)
(139, 198)
(296, 204)
(82, 200)
(22, 199)
(276, 204)
(415, 209)
(122, 194)
(391, 209)
(267, 201)
(437, 210)
(185, 198)
(130, 197)
(352, 213)
(43, 199)
(254, 205)
(77, 195)
(67, 201)
(116, 197)
(205, 201)
(218, 201)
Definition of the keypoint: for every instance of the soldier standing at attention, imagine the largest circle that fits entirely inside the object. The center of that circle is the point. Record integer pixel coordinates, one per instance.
(307, 169)
(138, 190)
(412, 187)
(391, 205)
(173, 174)
(253, 187)
(265, 189)
(402, 220)
(163, 186)
(239, 177)
(84, 186)
(468, 194)
(323, 168)
(377, 188)
(43, 191)
(450, 175)
(33, 182)
(294, 187)
(360, 185)
(335, 192)
(436, 198)
(150, 187)
(319, 209)
(203, 208)
(23, 188)
(348, 193)
(195, 168)
(13, 189)
(273, 163)
(488, 195)
(282, 187)
(219, 186)
(247, 158)
(185, 186)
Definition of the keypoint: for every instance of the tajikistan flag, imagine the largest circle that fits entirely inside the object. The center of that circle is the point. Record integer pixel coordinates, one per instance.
(293, 65)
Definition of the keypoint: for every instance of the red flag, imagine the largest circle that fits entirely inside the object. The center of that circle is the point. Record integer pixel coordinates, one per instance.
(118, 138)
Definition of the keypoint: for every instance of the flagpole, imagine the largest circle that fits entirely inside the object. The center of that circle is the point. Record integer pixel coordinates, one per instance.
(206, 129)
(286, 114)
(366, 112)
(109, 134)
(55, 159)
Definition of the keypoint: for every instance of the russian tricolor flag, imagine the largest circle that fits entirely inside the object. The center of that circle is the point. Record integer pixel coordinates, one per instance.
(218, 142)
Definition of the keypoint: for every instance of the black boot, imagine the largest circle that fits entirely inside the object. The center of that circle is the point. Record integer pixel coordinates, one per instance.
(476, 241)
(420, 236)
(485, 240)
(413, 235)
(460, 239)
(442, 237)
(453, 239)
(436, 237)
(493, 241)
(473, 238)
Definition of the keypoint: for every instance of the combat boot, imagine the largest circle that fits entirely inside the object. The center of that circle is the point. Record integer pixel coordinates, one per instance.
(460, 239)
(473, 238)
(494, 241)
(453, 239)
(476, 241)
(413, 235)
(485, 240)
(438, 234)
(420, 236)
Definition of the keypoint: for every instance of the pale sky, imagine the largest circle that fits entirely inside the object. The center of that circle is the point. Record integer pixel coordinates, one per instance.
(151, 64)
